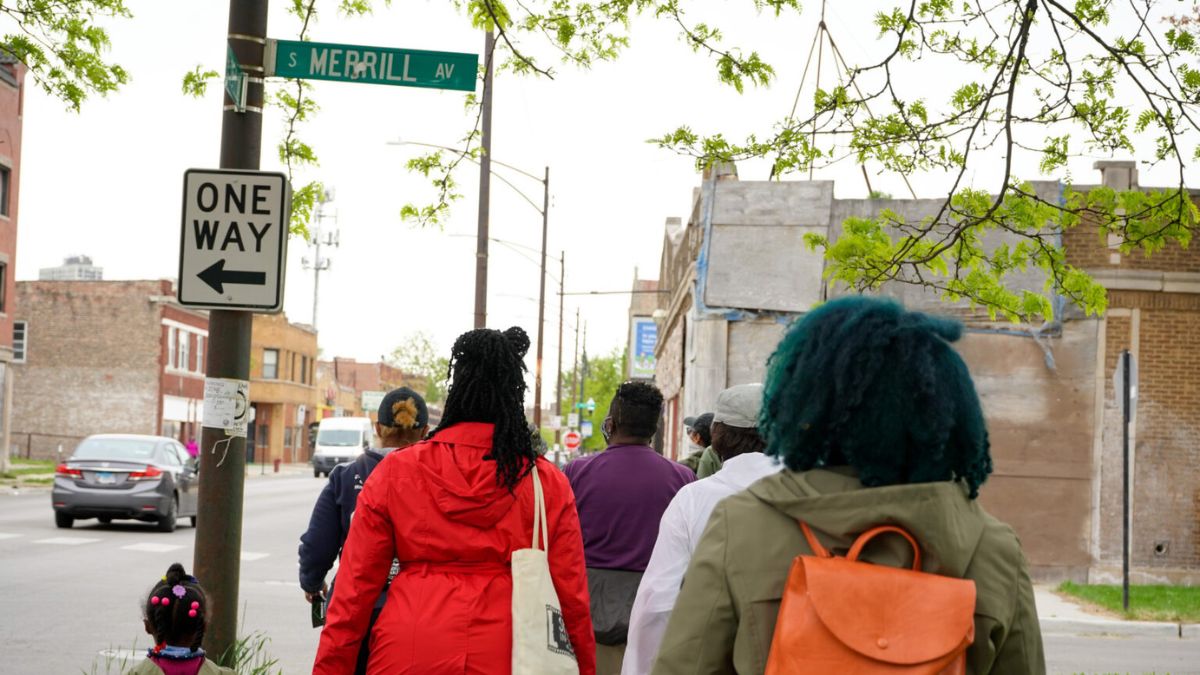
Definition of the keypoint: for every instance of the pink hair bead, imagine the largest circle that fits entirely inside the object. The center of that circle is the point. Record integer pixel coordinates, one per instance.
(166, 601)
(155, 600)
(195, 605)
(192, 613)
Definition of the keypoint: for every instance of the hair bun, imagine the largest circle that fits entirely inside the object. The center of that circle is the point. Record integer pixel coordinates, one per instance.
(176, 574)
(518, 340)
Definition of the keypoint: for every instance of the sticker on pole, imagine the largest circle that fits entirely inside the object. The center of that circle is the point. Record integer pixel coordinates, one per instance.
(233, 245)
(227, 405)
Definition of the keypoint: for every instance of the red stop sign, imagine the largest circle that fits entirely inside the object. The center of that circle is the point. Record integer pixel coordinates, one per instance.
(572, 440)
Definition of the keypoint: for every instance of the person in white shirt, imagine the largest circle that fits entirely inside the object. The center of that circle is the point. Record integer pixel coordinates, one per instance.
(736, 440)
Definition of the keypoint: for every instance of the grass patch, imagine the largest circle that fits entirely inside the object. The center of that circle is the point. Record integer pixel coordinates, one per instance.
(28, 467)
(1146, 603)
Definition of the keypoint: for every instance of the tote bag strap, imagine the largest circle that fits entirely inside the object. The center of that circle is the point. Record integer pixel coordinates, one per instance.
(540, 523)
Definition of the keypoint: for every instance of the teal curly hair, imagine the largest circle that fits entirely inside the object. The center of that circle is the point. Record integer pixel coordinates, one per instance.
(865, 383)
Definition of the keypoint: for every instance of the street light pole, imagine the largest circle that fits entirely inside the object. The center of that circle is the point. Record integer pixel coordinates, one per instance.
(562, 274)
(537, 386)
(485, 186)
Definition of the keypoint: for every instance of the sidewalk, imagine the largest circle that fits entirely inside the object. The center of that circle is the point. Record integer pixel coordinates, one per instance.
(1059, 615)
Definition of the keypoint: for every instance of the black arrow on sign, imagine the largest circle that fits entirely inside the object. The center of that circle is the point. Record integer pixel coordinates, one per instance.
(216, 277)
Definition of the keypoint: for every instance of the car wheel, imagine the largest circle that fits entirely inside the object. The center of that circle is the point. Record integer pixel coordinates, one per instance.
(166, 523)
(193, 519)
(104, 520)
(63, 520)
(316, 473)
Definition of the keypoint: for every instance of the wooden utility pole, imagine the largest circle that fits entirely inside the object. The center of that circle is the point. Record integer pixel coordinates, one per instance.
(485, 186)
(541, 330)
(217, 560)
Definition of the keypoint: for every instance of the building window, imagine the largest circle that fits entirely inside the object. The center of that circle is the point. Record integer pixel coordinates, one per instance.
(3, 286)
(303, 370)
(20, 340)
(270, 368)
(170, 347)
(292, 376)
(185, 340)
(199, 353)
(5, 180)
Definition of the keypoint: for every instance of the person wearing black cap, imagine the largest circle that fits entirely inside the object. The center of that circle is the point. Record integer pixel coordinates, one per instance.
(403, 419)
(699, 432)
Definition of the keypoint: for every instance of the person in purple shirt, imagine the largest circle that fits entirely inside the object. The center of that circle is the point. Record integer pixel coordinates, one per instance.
(621, 495)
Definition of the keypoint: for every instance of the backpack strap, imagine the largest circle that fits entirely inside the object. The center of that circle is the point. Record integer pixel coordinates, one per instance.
(817, 549)
(866, 537)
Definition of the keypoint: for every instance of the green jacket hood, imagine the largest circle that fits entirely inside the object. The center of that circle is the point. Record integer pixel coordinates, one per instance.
(947, 524)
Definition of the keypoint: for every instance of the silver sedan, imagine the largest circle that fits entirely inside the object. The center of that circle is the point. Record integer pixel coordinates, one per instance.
(113, 476)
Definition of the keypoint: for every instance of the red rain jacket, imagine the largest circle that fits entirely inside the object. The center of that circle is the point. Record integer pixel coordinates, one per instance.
(436, 506)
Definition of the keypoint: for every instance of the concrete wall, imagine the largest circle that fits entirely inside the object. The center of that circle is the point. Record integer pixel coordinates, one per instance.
(93, 362)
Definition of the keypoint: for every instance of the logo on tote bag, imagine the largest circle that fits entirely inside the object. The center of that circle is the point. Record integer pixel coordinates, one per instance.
(556, 632)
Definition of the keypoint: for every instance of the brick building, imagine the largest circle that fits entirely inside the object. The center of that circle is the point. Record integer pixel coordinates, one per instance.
(104, 357)
(12, 89)
(283, 388)
(337, 399)
(371, 377)
(740, 273)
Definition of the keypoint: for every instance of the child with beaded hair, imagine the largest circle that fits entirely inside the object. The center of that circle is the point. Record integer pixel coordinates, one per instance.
(176, 614)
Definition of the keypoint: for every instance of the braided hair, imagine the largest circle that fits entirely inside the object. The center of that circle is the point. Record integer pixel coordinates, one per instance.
(487, 384)
(865, 383)
(177, 618)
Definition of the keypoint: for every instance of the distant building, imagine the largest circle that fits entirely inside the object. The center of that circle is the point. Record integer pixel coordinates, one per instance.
(104, 357)
(283, 388)
(739, 273)
(12, 87)
(74, 268)
(337, 399)
(371, 379)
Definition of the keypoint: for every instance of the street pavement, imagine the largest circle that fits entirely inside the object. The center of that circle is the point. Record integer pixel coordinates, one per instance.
(66, 596)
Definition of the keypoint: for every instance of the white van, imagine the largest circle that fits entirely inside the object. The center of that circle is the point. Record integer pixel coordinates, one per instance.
(340, 439)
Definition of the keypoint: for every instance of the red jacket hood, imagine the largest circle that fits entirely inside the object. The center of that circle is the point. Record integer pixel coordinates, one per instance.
(463, 483)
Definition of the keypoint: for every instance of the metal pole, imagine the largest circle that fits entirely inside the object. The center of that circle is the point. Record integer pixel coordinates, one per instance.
(1125, 515)
(562, 275)
(217, 560)
(575, 368)
(485, 187)
(537, 386)
(317, 264)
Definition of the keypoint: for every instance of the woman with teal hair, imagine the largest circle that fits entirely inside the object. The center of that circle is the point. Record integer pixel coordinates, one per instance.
(876, 418)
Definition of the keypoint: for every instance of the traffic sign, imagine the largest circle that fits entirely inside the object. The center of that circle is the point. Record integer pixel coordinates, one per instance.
(572, 440)
(573, 420)
(372, 65)
(235, 80)
(233, 243)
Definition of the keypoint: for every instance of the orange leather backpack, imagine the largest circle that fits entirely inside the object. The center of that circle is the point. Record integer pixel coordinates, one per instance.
(840, 615)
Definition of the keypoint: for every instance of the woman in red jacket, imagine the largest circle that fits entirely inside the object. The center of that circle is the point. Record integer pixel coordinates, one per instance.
(452, 509)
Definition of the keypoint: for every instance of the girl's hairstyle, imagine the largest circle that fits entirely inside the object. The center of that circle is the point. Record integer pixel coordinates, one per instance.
(177, 609)
(487, 384)
(865, 383)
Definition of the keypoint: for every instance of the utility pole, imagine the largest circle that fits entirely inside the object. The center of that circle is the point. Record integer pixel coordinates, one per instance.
(319, 263)
(537, 386)
(562, 275)
(575, 369)
(485, 186)
(217, 560)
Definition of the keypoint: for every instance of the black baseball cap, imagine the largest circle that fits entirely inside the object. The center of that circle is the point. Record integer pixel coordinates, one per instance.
(698, 422)
(403, 408)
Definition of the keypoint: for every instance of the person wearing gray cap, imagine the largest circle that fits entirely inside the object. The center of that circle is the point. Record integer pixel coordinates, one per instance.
(735, 440)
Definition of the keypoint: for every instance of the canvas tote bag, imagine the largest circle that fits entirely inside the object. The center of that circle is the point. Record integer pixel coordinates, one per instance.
(541, 645)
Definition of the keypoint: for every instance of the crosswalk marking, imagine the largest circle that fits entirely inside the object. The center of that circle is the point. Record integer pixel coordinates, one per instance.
(152, 548)
(66, 541)
(8, 535)
(248, 556)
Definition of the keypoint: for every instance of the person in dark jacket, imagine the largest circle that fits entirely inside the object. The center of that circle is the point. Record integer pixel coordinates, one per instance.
(403, 420)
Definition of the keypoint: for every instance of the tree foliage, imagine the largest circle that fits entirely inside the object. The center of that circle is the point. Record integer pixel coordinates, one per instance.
(1027, 83)
(63, 45)
(416, 355)
(601, 377)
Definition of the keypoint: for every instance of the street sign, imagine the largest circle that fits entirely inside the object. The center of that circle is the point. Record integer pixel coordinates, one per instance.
(644, 340)
(371, 400)
(555, 422)
(235, 80)
(372, 65)
(233, 243)
(572, 440)
(573, 420)
(585, 429)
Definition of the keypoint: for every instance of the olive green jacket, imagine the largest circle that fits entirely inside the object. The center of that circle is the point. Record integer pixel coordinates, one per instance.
(710, 463)
(724, 619)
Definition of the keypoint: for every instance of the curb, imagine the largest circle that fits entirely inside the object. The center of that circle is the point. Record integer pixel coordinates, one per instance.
(1159, 629)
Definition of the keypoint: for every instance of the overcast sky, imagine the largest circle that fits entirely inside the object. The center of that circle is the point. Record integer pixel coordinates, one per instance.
(107, 182)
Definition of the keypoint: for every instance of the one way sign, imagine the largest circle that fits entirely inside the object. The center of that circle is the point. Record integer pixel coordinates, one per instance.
(233, 248)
